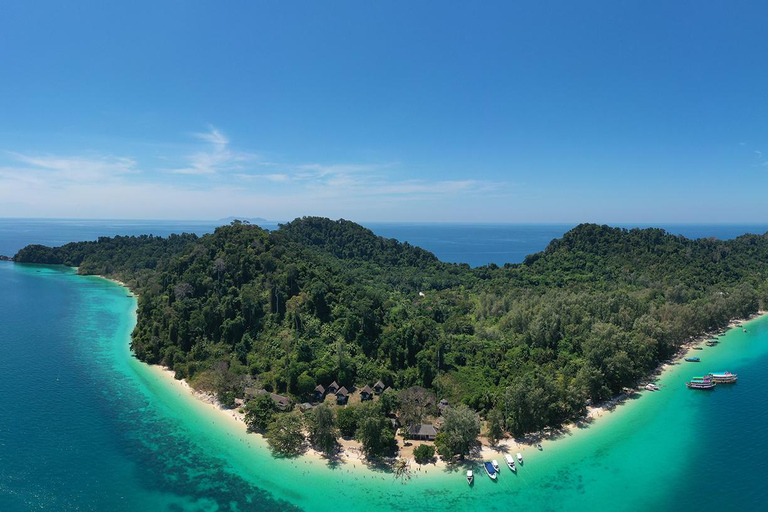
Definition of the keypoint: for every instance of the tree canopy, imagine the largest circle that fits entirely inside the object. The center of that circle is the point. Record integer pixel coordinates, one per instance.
(318, 301)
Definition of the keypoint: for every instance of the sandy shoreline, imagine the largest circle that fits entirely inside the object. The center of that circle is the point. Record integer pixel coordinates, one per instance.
(350, 457)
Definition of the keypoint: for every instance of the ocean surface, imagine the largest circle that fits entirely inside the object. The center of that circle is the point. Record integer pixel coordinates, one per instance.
(474, 244)
(84, 426)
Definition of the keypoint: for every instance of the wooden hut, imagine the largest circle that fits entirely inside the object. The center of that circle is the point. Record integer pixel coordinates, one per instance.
(366, 393)
(342, 395)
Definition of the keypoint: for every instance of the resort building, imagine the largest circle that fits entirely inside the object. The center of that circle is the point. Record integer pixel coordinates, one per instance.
(366, 393)
(319, 393)
(378, 387)
(333, 388)
(342, 395)
(283, 403)
(422, 432)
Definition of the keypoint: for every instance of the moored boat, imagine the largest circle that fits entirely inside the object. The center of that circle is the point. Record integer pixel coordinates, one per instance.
(495, 465)
(723, 377)
(519, 457)
(712, 343)
(470, 477)
(510, 462)
(701, 383)
(489, 470)
(693, 359)
(651, 387)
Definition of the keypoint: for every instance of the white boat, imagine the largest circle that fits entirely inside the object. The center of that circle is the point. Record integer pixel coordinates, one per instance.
(651, 387)
(489, 470)
(470, 477)
(539, 447)
(519, 457)
(510, 462)
(495, 465)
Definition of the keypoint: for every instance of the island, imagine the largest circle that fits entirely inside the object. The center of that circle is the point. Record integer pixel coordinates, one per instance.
(320, 330)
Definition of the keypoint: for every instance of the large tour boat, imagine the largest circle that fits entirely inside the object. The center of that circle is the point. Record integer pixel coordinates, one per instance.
(701, 383)
(723, 377)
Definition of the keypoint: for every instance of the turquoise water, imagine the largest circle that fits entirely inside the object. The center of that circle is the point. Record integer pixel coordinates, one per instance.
(84, 426)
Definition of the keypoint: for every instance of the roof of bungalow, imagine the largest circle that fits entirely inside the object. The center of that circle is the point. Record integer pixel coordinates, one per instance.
(282, 401)
(379, 384)
(342, 391)
(423, 429)
(320, 388)
(367, 389)
(333, 385)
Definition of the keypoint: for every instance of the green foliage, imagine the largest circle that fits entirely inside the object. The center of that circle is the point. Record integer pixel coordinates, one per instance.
(285, 435)
(424, 453)
(323, 433)
(259, 413)
(389, 401)
(375, 432)
(346, 420)
(459, 432)
(495, 426)
(320, 300)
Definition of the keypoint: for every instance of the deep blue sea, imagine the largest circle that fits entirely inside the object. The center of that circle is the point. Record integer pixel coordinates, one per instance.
(474, 244)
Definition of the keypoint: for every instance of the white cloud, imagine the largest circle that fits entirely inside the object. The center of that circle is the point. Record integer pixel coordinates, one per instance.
(214, 159)
(75, 169)
(225, 181)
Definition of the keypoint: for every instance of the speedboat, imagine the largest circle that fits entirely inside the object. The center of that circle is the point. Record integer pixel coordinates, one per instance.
(490, 470)
(470, 477)
(510, 462)
(651, 387)
(519, 457)
(495, 465)
(539, 447)
(693, 359)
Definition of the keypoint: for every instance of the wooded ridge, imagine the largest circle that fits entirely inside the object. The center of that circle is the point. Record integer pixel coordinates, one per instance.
(318, 301)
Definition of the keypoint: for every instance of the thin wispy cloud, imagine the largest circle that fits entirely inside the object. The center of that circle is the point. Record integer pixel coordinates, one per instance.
(212, 178)
(215, 158)
(75, 169)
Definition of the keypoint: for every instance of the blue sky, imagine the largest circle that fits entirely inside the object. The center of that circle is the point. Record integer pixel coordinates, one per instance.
(611, 111)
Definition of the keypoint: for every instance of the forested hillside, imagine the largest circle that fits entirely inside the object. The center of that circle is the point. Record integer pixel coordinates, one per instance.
(320, 300)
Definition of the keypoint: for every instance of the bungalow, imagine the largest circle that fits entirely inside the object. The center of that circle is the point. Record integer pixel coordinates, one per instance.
(422, 432)
(319, 393)
(281, 402)
(342, 395)
(378, 387)
(366, 393)
(333, 388)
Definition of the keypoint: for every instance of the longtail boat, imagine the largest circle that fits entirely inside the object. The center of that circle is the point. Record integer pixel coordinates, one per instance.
(693, 359)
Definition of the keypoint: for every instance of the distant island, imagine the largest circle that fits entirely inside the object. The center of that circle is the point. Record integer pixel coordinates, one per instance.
(252, 220)
(372, 334)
